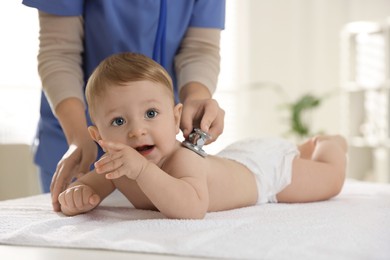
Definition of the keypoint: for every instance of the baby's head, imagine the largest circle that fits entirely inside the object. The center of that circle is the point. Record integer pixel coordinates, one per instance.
(123, 68)
(131, 101)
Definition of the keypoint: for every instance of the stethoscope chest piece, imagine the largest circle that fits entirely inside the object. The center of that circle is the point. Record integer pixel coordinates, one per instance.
(196, 140)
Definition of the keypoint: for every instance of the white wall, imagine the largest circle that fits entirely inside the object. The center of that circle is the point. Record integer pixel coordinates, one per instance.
(293, 44)
(19, 99)
(19, 81)
(18, 177)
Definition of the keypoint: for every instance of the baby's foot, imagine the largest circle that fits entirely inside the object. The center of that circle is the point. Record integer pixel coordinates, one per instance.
(340, 140)
(306, 149)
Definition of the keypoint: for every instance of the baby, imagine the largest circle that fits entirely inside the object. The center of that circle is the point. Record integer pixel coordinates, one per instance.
(131, 103)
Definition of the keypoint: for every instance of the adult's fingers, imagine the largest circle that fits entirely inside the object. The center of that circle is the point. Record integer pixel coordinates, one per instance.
(187, 120)
(213, 120)
(60, 181)
(87, 159)
(210, 114)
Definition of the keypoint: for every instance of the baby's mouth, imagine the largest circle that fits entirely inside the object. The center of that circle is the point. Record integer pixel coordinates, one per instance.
(145, 149)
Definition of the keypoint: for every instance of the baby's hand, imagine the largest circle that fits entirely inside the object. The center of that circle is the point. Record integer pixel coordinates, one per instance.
(120, 160)
(78, 199)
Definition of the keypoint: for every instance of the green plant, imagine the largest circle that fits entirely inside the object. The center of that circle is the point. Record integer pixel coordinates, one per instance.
(306, 103)
(297, 109)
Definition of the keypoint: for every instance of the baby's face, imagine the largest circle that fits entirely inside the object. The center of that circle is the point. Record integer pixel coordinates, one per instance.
(140, 114)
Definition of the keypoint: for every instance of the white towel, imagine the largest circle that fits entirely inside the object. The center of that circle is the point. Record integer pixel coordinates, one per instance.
(354, 225)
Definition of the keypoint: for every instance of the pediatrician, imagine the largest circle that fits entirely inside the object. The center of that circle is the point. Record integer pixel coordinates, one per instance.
(182, 35)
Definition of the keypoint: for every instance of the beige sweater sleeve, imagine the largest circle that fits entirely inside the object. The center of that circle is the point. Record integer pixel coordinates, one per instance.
(59, 58)
(198, 59)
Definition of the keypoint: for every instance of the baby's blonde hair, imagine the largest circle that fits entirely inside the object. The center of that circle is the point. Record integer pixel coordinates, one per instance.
(123, 68)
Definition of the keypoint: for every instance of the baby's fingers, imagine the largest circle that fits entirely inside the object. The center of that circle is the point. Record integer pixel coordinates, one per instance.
(115, 174)
(90, 198)
(107, 161)
(108, 166)
(61, 199)
(78, 199)
(94, 200)
(111, 146)
(66, 202)
(82, 198)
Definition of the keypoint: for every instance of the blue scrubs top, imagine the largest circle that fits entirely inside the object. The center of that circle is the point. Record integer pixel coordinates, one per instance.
(118, 26)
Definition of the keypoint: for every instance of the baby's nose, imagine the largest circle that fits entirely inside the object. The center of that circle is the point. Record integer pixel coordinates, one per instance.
(137, 131)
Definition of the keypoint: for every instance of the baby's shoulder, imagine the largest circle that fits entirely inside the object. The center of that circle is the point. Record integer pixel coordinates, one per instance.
(183, 155)
(184, 160)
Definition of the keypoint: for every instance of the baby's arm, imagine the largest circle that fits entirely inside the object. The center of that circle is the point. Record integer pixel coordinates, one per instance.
(183, 193)
(85, 194)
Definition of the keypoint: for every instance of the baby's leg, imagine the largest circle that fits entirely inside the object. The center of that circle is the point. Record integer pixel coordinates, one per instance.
(320, 173)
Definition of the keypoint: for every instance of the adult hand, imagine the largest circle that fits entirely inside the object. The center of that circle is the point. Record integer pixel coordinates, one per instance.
(82, 150)
(205, 114)
(75, 162)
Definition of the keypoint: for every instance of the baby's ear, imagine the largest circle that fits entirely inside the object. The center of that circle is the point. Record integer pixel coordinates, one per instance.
(177, 114)
(94, 133)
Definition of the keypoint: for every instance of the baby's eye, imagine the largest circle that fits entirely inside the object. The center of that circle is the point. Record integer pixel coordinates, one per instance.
(118, 121)
(151, 113)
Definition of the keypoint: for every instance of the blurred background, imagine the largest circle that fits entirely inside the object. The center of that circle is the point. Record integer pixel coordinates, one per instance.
(290, 68)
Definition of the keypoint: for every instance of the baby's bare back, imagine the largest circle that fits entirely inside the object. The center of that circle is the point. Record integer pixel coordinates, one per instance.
(231, 185)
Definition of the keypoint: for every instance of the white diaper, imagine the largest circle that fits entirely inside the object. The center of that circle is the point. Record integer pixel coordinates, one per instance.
(270, 160)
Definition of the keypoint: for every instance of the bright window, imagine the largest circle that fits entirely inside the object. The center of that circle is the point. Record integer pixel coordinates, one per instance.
(19, 81)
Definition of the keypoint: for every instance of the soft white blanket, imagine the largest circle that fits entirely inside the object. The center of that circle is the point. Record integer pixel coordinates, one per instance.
(354, 225)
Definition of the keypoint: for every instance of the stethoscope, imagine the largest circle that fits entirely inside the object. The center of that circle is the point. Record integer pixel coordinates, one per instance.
(159, 49)
(159, 43)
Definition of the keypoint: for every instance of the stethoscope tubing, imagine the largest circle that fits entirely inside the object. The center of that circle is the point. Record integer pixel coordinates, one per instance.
(159, 43)
(159, 48)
